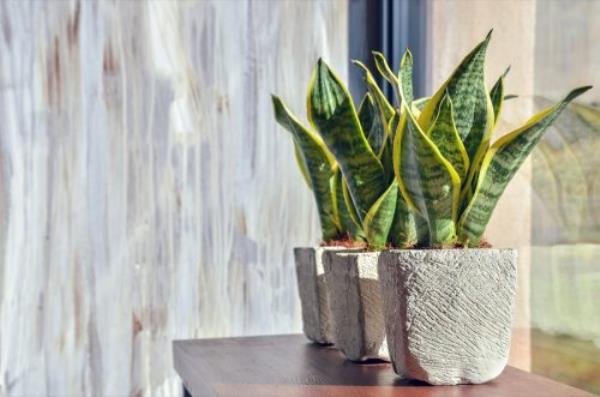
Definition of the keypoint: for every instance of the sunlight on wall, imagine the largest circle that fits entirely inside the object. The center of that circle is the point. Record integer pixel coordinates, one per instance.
(147, 194)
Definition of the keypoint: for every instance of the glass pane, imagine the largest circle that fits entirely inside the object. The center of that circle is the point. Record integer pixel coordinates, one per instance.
(565, 275)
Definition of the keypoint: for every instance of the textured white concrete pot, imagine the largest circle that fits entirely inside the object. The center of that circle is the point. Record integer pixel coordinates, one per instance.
(314, 302)
(355, 303)
(448, 312)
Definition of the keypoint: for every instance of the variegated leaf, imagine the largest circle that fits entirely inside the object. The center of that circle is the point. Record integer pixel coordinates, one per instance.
(331, 111)
(427, 180)
(378, 220)
(500, 164)
(386, 111)
(473, 110)
(344, 218)
(349, 204)
(444, 135)
(301, 164)
(318, 164)
(497, 95)
(497, 98)
(384, 69)
(403, 233)
(386, 156)
(405, 76)
(380, 99)
(371, 123)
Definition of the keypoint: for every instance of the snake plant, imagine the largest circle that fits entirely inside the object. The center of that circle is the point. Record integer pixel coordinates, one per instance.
(420, 173)
(322, 175)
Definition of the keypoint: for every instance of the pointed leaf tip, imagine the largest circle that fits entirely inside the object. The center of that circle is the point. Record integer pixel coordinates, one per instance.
(489, 35)
(321, 63)
(577, 92)
(506, 71)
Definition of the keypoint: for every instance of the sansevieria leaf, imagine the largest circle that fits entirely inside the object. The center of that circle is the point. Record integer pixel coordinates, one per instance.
(444, 135)
(378, 220)
(403, 233)
(345, 219)
(497, 95)
(318, 165)
(405, 77)
(427, 180)
(384, 69)
(331, 111)
(350, 204)
(370, 121)
(500, 164)
(386, 111)
(386, 156)
(497, 98)
(301, 164)
(474, 115)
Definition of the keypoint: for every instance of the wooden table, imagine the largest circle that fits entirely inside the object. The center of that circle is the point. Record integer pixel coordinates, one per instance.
(288, 365)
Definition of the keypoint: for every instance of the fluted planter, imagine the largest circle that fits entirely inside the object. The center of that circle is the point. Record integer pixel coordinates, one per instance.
(448, 312)
(355, 303)
(316, 322)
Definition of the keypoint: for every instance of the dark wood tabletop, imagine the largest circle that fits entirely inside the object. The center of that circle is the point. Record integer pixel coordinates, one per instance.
(289, 365)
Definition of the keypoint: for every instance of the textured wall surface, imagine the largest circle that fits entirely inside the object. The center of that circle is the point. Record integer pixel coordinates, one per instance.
(146, 194)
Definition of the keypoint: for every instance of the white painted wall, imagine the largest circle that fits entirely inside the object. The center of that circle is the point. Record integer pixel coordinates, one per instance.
(146, 194)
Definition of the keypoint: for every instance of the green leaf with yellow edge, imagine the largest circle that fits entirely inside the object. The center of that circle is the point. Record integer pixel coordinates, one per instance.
(497, 98)
(347, 223)
(384, 69)
(426, 179)
(500, 164)
(380, 99)
(403, 233)
(378, 220)
(332, 113)
(349, 204)
(444, 135)
(386, 111)
(318, 164)
(497, 95)
(301, 164)
(405, 75)
(386, 156)
(370, 121)
(474, 114)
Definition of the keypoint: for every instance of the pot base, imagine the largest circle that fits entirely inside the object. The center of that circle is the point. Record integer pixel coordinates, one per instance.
(316, 321)
(448, 312)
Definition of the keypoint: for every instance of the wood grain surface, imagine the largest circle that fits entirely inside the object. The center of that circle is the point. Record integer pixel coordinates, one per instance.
(288, 365)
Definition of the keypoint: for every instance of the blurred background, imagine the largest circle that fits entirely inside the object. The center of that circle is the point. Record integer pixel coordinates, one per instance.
(146, 193)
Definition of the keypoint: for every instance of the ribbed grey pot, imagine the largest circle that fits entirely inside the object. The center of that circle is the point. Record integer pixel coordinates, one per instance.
(448, 312)
(316, 322)
(355, 303)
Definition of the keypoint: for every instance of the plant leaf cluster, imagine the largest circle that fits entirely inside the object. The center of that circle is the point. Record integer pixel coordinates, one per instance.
(419, 172)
